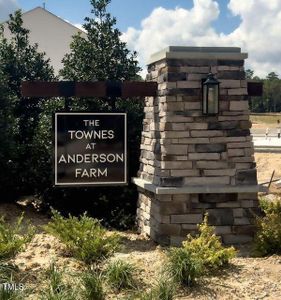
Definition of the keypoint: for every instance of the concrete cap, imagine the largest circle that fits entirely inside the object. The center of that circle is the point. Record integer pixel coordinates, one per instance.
(218, 189)
(183, 52)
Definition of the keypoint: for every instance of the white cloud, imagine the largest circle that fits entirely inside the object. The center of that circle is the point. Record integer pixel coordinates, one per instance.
(7, 7)
(258, 34)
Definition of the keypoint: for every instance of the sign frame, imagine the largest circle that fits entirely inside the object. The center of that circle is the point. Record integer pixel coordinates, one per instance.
(58, 184)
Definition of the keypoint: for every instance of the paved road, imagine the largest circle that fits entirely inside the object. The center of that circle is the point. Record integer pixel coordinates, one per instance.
(263, 144)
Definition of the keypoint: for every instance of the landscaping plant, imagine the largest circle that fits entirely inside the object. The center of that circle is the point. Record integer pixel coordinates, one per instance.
(83, 236)
(12, 238)
(268, 236)
(120, 274)
(198, 255)
(93, 289)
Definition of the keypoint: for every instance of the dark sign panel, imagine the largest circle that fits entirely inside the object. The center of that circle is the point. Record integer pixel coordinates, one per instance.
(90, 149)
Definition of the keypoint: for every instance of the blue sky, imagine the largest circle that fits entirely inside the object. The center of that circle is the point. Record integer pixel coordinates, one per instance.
(151, 25)
(128, 12)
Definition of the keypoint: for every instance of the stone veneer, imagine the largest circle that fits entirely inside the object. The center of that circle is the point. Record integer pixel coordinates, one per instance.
(191, 163)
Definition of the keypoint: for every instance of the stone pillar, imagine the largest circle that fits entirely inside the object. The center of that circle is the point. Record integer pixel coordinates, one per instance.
(190, 163)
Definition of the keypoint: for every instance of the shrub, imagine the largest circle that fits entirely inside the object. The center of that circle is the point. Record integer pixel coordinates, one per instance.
(12, 240)
(119, 274)
(93, 289)
(208, 247)
(268, 236)
(84, 237)
(198, 255)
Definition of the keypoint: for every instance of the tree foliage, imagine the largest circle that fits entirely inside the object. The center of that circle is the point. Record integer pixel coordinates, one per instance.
(270, 101)
(99, 54)
(20, 60)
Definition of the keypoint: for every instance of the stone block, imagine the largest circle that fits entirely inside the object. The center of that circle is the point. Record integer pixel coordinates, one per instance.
(181, 197)
(222, 172)
(220, 180)
(246, 177)
(235, 152)
(174, 207)
(174, 149)
(192, 105)
(230, 83)
(176, 241)
(240, 145)
(205, 156)
(239, 105)
(206, 133)
(220, 216)
(176, 165)
(210, 148)
(188, 84)
(185, 173)
(241, 221)
(238, 91)
(249, 230)
(171, 181)
(186, 219)
(194, 141)
(219, 230)
(238, 212)
(232, 239)
(212, 165)
(227, 74)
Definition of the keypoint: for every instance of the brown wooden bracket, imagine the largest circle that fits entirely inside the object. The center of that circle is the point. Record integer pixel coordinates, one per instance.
(255, 88)
(126, 89)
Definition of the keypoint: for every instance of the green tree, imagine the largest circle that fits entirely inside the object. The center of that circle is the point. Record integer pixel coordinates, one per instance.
(101, 55)
(22, 61)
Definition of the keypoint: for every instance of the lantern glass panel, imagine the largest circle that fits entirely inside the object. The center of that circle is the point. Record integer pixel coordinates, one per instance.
(213, 99)
(205, 99)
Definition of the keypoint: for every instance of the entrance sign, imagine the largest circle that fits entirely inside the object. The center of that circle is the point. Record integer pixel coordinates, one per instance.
(90, 149)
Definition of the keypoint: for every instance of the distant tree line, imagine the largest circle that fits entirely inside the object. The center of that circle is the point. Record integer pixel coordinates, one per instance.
(270, 101)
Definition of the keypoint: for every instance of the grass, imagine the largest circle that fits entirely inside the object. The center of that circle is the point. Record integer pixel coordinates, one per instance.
(120, 274)
(12, 238)
(56, 287)
(263, 118)
(164, 290)
(83, 236)
(93, 289)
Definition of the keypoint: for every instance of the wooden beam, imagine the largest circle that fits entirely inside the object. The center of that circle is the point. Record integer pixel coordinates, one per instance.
(255, 88)
(40, 89)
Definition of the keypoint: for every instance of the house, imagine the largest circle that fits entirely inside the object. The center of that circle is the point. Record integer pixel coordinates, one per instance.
(52, 34)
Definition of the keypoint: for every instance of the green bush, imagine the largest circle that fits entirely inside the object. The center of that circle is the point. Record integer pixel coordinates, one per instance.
(198, 255)
(208, 247)
(93, 288)
(120, 274)
(12, 238)
(84, 237)
(268, 236)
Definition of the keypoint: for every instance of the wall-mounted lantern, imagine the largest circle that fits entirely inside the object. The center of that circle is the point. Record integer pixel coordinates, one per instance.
(210, 103)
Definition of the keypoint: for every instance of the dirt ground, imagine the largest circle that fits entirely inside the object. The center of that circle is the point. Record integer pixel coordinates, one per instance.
(245, 278)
